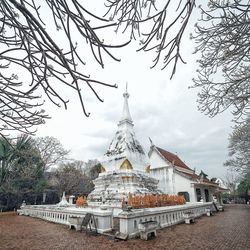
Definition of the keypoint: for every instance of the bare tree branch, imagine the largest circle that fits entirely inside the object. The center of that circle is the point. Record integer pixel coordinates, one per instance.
(27, 45)
(30, 49)
(223, 41)
(51, 150)
(155, 26)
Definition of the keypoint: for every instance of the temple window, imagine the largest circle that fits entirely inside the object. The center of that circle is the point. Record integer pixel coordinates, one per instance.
(198, 194)
(135, 224)
(206, 195)
(185, 194)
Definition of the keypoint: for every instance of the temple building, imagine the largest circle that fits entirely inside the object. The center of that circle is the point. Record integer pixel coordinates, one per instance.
(175, 177)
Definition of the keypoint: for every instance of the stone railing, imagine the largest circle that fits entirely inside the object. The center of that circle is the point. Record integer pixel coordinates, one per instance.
(165, 216)
(62, 215)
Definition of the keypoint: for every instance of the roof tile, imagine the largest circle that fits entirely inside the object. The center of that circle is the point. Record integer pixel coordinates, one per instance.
(172, 158)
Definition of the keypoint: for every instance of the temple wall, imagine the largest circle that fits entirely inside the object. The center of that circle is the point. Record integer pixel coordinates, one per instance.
(183, 184)
(172, 183)
(162, 174)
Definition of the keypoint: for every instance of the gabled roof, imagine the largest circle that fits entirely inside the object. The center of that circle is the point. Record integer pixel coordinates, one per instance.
(172, 158)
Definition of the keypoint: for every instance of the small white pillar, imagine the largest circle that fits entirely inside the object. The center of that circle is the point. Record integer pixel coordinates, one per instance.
(71, 199)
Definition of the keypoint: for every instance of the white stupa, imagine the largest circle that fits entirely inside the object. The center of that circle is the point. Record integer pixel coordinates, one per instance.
(124, 167)
(125, 145)
(63, 202)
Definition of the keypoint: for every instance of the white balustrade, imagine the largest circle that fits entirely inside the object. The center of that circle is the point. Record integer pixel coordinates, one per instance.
(129, 220)
(104, 218)
(165, 216)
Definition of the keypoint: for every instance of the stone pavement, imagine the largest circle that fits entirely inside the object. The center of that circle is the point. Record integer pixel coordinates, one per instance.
(225, 230)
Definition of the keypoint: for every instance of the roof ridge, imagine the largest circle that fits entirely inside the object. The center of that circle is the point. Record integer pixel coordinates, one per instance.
(169, 152)
(176, 158)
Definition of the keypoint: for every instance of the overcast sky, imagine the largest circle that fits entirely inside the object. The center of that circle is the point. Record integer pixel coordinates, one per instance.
(164, 110)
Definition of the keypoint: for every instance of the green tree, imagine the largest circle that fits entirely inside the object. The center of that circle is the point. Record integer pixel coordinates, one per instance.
(244, 186)
(22, 172)
(6, 159)
(239, 148)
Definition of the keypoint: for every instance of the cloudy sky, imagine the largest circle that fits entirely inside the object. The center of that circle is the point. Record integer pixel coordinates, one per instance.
(164, 110)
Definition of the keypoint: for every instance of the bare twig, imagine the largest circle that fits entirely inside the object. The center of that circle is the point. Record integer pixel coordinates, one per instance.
(223, 41)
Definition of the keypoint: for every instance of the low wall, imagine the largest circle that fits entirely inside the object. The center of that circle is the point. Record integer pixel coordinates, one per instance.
(61, 215)
(129, 220)
(165, 216)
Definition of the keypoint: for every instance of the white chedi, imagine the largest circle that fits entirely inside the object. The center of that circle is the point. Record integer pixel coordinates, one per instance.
(125, 145)
(63, 202)
(123, 167)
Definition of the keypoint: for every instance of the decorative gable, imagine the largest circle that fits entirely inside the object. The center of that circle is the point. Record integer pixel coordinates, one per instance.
(103, 169)
(160, 158)
(156, 159)
(126, 165)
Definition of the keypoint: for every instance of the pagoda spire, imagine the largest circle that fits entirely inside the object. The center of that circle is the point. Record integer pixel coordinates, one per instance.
(126, 117)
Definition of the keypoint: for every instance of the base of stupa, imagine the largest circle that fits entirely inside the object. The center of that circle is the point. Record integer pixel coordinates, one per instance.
(113, 188)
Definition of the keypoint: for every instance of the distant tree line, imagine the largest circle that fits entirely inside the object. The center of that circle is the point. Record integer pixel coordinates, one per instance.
(26, 173)
(239, 157)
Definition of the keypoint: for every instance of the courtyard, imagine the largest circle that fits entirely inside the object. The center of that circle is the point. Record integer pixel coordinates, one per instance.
(224, 230)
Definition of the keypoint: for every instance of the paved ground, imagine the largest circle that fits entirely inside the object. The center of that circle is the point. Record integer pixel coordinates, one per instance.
(225, 230)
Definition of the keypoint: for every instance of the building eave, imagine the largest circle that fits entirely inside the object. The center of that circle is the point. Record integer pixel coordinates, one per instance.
(205, 184)
(183, 174)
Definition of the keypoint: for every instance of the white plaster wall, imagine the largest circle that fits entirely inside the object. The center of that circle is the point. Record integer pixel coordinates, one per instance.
(162, 170)
(183, 184)
(171, 180)
(161, 174)
(156, 161)
(210, 190)
(172, 183)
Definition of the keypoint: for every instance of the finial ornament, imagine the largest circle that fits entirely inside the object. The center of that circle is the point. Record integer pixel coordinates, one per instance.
(126, 94)
(126, 117)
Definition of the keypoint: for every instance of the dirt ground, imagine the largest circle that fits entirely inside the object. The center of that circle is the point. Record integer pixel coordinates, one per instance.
(224, 230)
